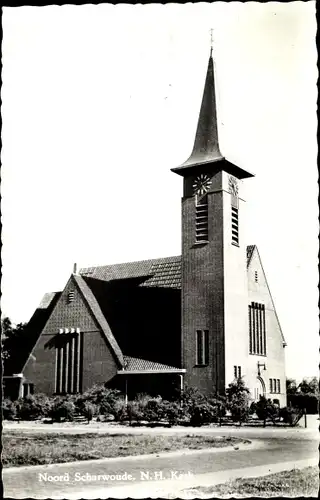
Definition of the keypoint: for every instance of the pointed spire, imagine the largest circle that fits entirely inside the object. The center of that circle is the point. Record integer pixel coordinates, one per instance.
(206, 149)
(211, 42)
(206, 144)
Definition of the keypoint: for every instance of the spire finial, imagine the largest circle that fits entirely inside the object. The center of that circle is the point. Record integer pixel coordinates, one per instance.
(211, 41)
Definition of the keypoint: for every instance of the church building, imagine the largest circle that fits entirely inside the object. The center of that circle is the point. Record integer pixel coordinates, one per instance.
(200, 319)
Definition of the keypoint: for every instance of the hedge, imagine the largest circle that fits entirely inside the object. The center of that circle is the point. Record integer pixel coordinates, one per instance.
(309, 401)
(193, 408)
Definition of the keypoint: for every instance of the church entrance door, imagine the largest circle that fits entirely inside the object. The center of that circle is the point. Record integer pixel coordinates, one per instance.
(260, 389)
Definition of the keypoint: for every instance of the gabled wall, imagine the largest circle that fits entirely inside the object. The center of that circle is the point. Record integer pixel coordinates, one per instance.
(275, 356)
(235, 285)
(99, 365)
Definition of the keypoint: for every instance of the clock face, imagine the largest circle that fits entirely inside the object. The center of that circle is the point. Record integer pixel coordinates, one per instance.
(233, 186)
(201, 184)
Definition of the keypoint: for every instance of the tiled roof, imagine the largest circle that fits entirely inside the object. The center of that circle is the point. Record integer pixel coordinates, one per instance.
(100, 318)
(34, 328)
(47, 299)
(163, 273)
(137, 364)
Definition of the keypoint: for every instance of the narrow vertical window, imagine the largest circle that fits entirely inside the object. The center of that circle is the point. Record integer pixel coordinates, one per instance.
(257, 329)
(239, 371)
(278, 386)
(274, 385)
(253, 328)
(235, 225)
(61, 370)
(199, 347)
(270, 385)
(69, 359)
(264, 330)
(206, 347)
(202, 219)
(260, 328)
(256, 276)
(202, 338)
(250, 331)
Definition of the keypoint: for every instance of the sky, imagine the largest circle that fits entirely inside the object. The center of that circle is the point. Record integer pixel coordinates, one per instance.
(99, 102)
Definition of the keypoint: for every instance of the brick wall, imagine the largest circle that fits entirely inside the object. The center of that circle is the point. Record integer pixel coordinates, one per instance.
(99, 365)
(202, 289)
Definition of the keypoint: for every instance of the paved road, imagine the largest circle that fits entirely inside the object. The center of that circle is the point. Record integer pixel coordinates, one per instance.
(290, 445)
(105, 428)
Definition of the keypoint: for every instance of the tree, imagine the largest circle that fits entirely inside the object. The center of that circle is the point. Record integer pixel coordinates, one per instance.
(238, 396)
(311, 387)
(291, 386)
(13, 342)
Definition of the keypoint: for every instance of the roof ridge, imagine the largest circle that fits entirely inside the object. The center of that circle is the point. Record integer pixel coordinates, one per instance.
(132, 262)
(140, 261)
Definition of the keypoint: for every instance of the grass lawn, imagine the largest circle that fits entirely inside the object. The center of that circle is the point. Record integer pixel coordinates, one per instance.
(36, 449)
(293, 483)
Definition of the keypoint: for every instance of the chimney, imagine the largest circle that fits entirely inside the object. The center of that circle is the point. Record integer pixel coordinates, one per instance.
(75, 268)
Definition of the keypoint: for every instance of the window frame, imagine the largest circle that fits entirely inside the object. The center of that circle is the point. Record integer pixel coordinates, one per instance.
(202, 347)
(235, 225)
(69, 362)
(257, 329)
(202, 226)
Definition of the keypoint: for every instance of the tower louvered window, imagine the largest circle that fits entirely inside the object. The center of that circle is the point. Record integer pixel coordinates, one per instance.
(233, 189)
(235, 225)
(69, 355)
(202, 219)
(257, 329)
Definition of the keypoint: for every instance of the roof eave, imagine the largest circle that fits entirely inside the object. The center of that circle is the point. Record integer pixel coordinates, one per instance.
(148, 372)
(213, 164)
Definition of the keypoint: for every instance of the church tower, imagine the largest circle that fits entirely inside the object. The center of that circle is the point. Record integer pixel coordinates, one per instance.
(214, 274)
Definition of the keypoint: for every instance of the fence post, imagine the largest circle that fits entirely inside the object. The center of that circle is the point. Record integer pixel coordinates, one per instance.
(305, 418)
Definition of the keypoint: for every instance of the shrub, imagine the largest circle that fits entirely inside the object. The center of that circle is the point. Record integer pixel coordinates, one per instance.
(120, 410)
(152, 409)
(200, 409)
(134, 411)
(309, 401)
(192, 396)
(265, 409)
(239, 407)
(9, 410)
(88, 410)
(63, 408)
(253, 408)
(103, 398)
(171, 411)
(33, 407)
(203, 413)
(290, 415)
(238, 396)
(220, 402)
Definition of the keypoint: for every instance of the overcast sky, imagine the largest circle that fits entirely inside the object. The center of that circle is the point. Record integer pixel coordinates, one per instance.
(100, 101)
